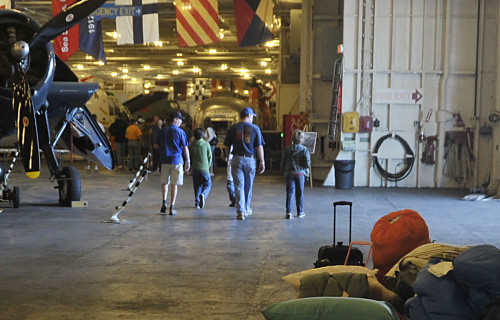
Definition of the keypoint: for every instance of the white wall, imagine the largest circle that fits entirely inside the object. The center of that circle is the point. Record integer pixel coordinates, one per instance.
(429, 45)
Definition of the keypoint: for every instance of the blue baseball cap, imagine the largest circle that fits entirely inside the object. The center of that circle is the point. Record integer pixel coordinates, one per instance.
(246, 112)
(177, 114)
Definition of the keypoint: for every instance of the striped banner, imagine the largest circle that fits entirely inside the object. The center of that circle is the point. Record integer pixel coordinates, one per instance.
(5, 4)
(197, 22)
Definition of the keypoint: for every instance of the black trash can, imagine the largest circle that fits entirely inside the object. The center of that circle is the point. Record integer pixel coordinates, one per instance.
(344, 174)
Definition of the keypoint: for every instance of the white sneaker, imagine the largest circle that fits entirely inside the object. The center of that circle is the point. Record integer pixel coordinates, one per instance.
(88, 168)
(301, 214)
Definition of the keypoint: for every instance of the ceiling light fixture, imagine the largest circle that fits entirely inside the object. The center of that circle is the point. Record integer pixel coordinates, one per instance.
(268, 71)
(263, 63)
(147, 67)
(114, 74)
(159, 76)
(176, 72)
(272, 43)
(179, 54)
(224, 66)
(212, 51)
(180, 63)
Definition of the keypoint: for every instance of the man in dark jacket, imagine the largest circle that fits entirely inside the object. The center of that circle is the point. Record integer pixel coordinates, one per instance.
(117, 131)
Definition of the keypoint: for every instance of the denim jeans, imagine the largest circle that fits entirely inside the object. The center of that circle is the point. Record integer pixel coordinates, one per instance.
(230, 191)
(202, 183)
(243, 170)
(295, 184)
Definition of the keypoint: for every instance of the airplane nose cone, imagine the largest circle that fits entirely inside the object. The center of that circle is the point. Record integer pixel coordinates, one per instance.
(20, 50)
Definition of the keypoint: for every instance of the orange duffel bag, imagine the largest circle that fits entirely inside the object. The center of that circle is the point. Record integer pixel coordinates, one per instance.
(394, 235)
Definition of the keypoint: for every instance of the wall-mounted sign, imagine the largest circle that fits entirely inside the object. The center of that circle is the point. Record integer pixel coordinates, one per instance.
(398, 96)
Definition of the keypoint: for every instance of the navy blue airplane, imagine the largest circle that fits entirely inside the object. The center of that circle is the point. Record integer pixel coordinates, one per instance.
(41, 97)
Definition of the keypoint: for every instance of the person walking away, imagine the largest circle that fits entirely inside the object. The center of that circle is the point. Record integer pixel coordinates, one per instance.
(174, 153)
(134, 137)
(201, 157)
(248, 143)
(211, 138)
(147, 139)
(155, 134)
(117, 131)
(295, 163)
(188, 131)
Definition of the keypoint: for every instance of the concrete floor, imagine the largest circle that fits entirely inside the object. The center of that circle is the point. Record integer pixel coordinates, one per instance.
(64, 263)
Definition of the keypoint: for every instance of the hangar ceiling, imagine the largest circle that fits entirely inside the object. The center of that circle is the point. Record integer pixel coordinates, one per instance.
(168, 61)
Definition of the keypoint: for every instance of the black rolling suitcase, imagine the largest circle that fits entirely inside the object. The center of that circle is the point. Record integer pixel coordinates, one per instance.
(336, 254)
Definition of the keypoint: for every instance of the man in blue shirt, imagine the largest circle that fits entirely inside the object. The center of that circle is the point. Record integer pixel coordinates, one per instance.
(173, 146)
(248, 144)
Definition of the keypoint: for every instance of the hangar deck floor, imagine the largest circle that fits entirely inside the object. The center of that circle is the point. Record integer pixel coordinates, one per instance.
(64, 263)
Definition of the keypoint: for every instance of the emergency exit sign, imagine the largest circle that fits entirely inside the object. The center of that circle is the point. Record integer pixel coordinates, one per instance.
(398, 96)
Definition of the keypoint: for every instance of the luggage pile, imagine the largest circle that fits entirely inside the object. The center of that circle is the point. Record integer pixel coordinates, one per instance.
(411, 278)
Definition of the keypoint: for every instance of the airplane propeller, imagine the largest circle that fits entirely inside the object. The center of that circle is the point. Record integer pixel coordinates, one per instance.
(21, 93)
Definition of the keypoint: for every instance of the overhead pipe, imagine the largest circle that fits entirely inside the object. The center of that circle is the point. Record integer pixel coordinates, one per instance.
(477, 86)
(445, 54)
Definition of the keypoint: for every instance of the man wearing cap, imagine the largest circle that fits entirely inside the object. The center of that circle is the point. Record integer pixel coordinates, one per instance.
(248, 144)
(173, 145)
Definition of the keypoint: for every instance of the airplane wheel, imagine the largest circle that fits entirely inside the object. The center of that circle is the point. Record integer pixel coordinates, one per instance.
(15, 197)
(70, 188)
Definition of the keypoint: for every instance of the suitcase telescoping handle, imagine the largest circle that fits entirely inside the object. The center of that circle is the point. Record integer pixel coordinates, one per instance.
(341, 203)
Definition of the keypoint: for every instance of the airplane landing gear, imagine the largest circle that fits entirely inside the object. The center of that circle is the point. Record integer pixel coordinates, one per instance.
(69, 185)
(8, 194)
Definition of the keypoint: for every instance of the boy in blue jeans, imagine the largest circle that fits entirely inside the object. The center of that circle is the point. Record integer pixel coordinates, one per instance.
(295, 163)
(201, 158)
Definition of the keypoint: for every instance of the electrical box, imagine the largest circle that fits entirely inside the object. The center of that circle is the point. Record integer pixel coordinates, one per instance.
(365, 124)
(350, 122)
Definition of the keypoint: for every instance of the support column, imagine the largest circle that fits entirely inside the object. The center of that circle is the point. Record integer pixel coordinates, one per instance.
(306, 57)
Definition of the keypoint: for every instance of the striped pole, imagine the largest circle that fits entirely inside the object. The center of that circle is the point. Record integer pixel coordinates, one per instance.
(141, 174)
(143, 166)
(6, 178)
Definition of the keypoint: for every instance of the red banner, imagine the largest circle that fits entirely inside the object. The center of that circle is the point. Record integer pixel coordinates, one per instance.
(69, 41)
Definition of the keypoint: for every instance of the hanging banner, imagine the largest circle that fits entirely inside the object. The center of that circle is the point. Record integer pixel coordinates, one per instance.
(91, 43)
(68, 42)
(5, 4)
